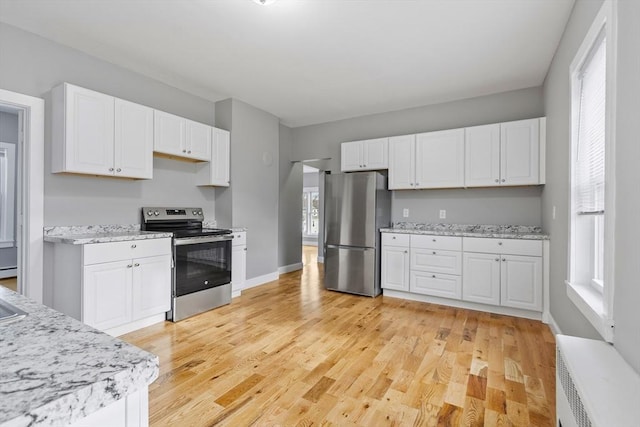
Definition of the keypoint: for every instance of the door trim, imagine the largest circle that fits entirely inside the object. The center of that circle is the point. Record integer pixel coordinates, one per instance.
(30, 218)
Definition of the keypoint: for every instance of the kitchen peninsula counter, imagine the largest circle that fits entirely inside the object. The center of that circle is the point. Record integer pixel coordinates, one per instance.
(57, 370)
(82, 235)
(470, 230)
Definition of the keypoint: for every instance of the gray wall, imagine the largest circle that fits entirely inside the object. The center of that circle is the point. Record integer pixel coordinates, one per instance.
(290, 207)
(511, 206)
(310, 179)
(254, 190)
(627, 247)
(33, 65)
(556, 192)
(9, 133)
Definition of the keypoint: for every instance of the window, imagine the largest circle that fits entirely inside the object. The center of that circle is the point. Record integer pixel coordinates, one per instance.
(310, 213)
(590, 281)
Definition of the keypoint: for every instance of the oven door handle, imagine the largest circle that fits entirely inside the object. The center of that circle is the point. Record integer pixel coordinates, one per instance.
(195, 240)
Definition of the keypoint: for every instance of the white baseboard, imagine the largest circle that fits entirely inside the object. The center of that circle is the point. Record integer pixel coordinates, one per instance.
(9, 272)
(321, 259)
(289, 268)
(508, 311)
(553, 325)
(134, 326)
(235, 294)
(260, 280)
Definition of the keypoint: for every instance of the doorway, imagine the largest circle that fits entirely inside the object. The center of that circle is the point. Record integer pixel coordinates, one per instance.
(9, 147)
(310, 213)
(28, 221)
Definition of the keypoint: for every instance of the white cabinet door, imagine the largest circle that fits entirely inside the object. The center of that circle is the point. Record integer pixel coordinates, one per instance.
(521, 282)
(351, 156)
(395, 268)
(520, 152)
(440, 159)
(481, 278)
(169, 134)
(375, 153)
(106, 299)
(238, 267)
(133, 140)
(220, 157)
(482, 156)
(198, 140)
(89, 118)
(402, 162)
(151, 286)
(440, 285)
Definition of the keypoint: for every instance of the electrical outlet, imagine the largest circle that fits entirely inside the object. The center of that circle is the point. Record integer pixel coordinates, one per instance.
(553, 213)
(405, 213)
(443, 214)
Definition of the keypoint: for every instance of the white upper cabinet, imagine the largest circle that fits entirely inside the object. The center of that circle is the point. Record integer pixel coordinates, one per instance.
(97, 134)
(370, 154)
(520, 152)
(176, 136)
(482, 156)
(133, 140)
(440, 159)
(402, 165)
(216, 172)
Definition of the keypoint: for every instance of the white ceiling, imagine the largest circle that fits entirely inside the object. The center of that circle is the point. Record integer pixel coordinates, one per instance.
(312, 61)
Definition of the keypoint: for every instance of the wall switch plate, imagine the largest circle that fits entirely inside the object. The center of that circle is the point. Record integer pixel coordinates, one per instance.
(443, 214)
(405, 213)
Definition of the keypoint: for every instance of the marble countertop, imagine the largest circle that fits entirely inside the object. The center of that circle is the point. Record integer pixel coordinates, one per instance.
(56, 370)
(470, 230)
(82, 235)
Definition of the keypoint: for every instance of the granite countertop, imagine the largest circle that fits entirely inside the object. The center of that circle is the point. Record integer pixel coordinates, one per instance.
(470, 230)
(56, 370)
(81, 235)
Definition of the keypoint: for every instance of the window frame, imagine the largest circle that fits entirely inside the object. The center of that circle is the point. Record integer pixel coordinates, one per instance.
(309, 191)
(595, 298)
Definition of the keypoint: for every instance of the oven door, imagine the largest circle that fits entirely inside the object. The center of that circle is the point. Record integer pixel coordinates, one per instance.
(201, 263)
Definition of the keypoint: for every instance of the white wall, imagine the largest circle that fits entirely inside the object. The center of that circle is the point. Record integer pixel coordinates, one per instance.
(33, 65)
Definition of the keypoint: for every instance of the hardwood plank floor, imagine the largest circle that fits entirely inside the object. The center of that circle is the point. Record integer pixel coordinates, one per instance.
(10, 283)
(290, 353)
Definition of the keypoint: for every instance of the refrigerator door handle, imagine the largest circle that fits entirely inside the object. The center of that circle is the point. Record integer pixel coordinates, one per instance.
(351, 248)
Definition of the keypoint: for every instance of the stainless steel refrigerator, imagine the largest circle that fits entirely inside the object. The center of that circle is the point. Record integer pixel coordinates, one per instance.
(356, 206)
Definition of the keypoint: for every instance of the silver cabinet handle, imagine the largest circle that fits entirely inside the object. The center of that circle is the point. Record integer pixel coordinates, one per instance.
(184, 151)
(434, 240)
(134, 246)
(118, 170)
(189, 151)
(129, 266)
(497, 259)
(136, 265)
(417, 183)
(110, 169)
(434, 252)
(499, 243)
(433, 276)
(393, 237)
(504, 259)
(406, 252)
(497, 180)
(245, 249)
(503, 180)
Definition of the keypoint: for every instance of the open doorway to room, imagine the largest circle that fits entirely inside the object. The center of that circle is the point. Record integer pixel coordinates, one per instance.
(10, 137)
(310, 214)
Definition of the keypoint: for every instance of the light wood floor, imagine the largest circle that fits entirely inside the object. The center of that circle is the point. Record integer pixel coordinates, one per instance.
(10, 282)
(290, 353)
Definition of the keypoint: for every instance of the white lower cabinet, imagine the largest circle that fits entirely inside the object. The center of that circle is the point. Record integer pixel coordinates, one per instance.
(115, 287)
(503, 273)
(238, 262)
(395, 264)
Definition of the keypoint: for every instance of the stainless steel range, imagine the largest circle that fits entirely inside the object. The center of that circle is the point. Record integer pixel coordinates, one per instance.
(201, 260)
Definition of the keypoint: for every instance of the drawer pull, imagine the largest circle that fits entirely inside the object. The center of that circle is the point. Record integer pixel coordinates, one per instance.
(434, 252)
(129, 266)
(406, 252)
(433, 276)
(503, 259)
(394, 237)
(434, 240)
(136, 265)
(499, 243)
(133, 246)
(497, 259)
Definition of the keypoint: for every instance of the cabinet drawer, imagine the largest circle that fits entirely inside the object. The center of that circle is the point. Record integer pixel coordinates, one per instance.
(96, 253)
(436, 261)
(440, 285)
(239, 238)
(503, 246)
(395, 239)
(447, 243)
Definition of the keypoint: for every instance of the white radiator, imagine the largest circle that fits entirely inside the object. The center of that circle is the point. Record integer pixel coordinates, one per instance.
(595, 387)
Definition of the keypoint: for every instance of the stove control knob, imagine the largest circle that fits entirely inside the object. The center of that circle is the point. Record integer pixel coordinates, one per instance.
(149, 213)
(156, 213)
(195, 212)
(199, 212)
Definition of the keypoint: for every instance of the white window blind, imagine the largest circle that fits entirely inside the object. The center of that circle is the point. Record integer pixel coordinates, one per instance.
(591, 132)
